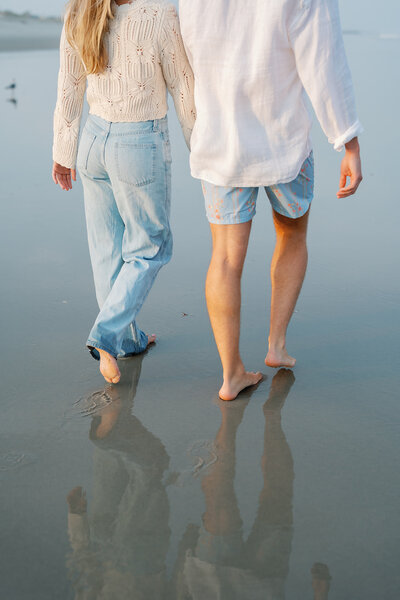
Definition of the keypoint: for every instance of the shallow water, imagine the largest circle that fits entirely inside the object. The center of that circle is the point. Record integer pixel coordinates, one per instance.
(302, 471)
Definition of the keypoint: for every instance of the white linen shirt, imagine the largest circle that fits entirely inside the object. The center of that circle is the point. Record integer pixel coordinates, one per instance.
(253, 61)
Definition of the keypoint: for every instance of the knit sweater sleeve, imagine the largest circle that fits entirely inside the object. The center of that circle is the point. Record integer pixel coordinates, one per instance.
(177, 71)
(68, 112)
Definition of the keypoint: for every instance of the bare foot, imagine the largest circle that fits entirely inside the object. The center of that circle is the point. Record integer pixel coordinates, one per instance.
(281, 383)
(151, 339)
(280, 388)
(108, 367)
(279, 358)
(237, 384)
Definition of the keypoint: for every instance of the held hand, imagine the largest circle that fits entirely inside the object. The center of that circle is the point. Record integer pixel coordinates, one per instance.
(62, 176)
(351, 167)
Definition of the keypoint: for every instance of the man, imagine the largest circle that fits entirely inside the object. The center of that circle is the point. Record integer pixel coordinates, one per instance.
(253, 62)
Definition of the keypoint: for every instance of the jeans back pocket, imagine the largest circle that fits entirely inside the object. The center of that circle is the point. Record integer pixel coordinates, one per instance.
(136, 163)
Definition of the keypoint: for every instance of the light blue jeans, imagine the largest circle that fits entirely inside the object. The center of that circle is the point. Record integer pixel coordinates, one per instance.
(126, 173)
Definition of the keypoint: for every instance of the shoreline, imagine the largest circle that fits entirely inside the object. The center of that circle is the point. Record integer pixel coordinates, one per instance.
(19, 33)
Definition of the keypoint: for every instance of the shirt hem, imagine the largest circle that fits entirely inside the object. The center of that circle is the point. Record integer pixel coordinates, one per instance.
(245, 181)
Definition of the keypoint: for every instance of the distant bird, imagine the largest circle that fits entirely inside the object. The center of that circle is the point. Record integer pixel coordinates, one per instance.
(13, 101)
(12, 85)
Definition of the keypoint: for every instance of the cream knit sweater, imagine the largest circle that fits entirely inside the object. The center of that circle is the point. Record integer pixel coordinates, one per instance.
(146, 56)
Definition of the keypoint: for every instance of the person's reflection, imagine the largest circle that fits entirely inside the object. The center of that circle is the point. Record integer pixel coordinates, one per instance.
(119, 545)
(221, 564)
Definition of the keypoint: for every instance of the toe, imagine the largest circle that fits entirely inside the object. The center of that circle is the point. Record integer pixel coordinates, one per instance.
(291, 362)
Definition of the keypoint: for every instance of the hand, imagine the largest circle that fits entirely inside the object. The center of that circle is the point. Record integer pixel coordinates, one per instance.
(77, 504)
(62, 176)
(350, 167)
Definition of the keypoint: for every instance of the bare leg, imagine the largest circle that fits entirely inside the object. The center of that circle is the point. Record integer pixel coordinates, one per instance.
(288, 268)
(269, 542)
(108, 364)
(321, 581)
(223, 302)
(222, 515)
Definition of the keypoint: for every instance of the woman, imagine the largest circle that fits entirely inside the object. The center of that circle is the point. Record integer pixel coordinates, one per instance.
(128, 53)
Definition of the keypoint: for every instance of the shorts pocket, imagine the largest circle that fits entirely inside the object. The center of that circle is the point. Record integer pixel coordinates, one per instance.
(85, 146)
(136, 163)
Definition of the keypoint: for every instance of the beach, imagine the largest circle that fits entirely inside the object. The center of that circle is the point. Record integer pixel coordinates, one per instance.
(26, 32)
(154, 488)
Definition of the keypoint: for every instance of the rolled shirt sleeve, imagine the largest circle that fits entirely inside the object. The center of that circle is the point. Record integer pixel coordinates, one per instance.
(317, 43)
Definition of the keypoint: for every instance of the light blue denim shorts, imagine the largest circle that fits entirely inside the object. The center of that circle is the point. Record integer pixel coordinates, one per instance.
(231, 205)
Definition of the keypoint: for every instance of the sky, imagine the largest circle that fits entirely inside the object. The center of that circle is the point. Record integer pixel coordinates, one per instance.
(356, 14)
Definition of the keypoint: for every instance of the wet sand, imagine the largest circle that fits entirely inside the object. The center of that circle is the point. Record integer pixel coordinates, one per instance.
(185, 495)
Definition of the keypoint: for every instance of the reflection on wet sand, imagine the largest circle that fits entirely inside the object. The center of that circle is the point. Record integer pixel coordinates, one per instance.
(217, 562)
(120, 541)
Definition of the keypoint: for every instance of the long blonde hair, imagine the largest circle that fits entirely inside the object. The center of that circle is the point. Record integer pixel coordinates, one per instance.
(86, 24)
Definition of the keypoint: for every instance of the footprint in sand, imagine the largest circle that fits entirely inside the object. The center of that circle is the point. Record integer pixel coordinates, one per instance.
(14, 460)
(89, 405)
(202, 455)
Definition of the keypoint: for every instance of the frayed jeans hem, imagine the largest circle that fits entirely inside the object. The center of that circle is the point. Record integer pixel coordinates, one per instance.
(93, 346)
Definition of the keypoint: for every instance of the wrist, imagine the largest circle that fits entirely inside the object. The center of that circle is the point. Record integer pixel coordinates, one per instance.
(353, 146)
